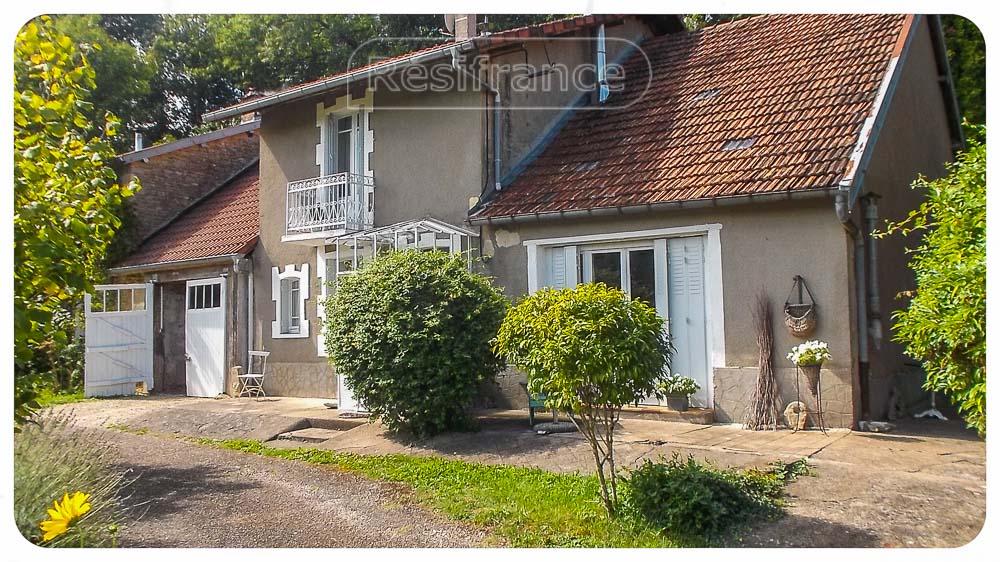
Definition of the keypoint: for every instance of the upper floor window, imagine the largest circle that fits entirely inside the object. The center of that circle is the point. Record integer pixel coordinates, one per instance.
(343, 144)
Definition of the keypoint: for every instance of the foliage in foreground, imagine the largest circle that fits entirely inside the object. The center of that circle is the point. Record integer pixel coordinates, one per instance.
(526, 507)
(592, 351)
(689, 498)
(65, 193)
(945, 323)
(53, 457)
(411, 332)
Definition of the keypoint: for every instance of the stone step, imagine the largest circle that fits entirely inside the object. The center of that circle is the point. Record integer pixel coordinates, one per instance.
(705, 416)
(310, 435)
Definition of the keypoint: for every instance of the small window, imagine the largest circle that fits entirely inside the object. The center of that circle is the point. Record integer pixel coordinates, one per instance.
(138, 299)
(587, 166)
(111, 301)
(124, 300)
(706, 94)
(290, 306)
(217, 295)
(739, 144)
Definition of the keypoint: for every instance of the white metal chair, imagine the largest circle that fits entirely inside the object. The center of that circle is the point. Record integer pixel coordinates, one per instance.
(252, 383)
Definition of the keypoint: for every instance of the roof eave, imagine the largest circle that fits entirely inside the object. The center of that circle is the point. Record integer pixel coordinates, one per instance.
(790, 195)
(315, 88)
(175, 264)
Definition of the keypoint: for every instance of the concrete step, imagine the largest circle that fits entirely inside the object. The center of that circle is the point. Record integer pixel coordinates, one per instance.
(338, 423)
(309, 435)
(704, 416)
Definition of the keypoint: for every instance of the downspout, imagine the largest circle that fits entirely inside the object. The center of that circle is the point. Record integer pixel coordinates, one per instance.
(843, 213)
(496, 114)
(870, 204)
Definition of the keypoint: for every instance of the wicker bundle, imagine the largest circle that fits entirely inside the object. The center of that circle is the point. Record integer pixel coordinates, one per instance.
(762, 411)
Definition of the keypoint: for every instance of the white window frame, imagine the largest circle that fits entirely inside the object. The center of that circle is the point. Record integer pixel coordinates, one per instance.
(302, 275)
(538, 265)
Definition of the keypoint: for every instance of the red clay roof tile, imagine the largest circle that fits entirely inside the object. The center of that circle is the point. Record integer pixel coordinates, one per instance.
(224, 223)
(802, 84)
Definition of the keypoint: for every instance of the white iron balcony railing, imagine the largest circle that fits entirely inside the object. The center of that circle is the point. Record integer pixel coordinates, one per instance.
(342, 201)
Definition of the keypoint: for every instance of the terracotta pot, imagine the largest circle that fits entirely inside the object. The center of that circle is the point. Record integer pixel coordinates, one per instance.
(677, 402)
(811, 373)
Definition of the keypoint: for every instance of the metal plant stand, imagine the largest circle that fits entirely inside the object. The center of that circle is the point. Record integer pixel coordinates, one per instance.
(933, 412)
(817, 395)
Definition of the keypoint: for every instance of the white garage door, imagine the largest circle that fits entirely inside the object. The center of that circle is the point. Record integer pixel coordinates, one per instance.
(204, 336)
(119, 339)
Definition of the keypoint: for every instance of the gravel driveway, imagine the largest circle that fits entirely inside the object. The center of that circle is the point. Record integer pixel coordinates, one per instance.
(190, 495)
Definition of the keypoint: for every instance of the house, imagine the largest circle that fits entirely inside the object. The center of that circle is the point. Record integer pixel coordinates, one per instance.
(691, 169)
(175, 314)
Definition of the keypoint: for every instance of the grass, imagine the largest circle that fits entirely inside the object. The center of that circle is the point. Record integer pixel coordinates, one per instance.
(48, 398)
(526, 507)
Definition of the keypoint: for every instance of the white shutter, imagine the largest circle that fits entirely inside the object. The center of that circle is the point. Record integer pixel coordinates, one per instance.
(557, 268)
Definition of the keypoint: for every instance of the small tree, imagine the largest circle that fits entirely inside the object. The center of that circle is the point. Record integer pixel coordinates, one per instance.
(65, 195)
(591, 350)
(945, 324)
(411, 333)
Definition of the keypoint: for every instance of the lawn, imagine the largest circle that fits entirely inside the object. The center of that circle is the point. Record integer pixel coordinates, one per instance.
(48, 398)
(526, 507)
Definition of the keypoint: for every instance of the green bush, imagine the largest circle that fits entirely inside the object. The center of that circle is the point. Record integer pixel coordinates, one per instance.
(945, 324)
(411, 332)
(52, 457)
(694, 499)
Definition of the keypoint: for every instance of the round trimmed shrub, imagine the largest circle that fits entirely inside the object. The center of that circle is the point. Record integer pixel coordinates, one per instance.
(411, 332)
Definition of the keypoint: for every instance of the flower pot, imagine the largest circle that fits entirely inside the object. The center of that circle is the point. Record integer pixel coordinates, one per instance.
(811, 373)
(677, 402)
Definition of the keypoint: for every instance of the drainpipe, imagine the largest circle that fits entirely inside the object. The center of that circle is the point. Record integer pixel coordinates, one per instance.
(860, 292)
(496, 114)
(870, 204)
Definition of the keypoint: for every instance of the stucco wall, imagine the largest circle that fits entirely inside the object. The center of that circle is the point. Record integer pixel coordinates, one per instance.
(913, 141)
(423, 162)
(287, 153)
(536, 111)
(763, 247)
(426, 162)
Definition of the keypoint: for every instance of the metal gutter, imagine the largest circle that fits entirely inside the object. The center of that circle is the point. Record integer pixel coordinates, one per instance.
(161, 149)
(734, 200)
(299, 92)
(222, 259)
(862, 154)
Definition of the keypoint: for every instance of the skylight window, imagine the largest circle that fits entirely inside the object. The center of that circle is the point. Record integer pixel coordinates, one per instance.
(707, 94)
(587, 166)
(739, 144)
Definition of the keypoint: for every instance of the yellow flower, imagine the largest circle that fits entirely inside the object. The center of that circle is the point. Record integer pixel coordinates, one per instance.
(63, 514)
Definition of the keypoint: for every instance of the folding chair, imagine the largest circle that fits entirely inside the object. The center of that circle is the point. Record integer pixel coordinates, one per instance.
(252, 383)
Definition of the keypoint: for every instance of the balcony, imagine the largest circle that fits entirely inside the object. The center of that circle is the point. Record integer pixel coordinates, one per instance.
(339, 203)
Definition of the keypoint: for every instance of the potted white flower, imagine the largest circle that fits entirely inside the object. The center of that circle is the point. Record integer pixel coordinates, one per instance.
(677, 391)
(809, 357)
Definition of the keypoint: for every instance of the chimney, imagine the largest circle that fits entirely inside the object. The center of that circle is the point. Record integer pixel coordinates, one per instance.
(465, 27)
(138, 141)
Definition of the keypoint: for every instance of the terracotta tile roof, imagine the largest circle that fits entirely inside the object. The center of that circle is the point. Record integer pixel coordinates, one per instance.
(795, 88)
(223, 223)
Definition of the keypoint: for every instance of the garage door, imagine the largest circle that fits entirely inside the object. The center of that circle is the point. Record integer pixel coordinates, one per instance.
(119, 339)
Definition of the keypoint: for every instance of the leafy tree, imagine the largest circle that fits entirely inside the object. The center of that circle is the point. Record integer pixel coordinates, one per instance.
(945, 323)
(122, 76)
(65, 195)
(967, 57)
(411, 333)
(592, 351)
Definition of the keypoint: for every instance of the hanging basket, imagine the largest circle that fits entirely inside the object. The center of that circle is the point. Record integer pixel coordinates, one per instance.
(800, 317)
(811, 373)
